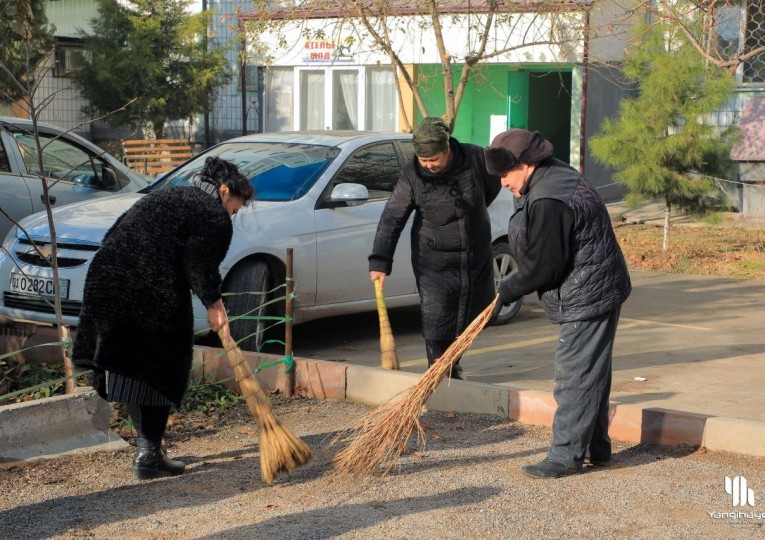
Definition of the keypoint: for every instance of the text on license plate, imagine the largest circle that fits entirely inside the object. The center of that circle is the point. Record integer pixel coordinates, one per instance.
(37, 285)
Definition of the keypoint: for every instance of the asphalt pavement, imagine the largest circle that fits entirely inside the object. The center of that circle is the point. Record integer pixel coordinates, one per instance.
(688, 343)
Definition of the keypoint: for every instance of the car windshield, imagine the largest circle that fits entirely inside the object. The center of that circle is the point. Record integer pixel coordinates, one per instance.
(277, 171)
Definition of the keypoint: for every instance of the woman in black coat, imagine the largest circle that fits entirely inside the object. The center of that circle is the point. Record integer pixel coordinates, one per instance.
(136, 326)
(447, 187)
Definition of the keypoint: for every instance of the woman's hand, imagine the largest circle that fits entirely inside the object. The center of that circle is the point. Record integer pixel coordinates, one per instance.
(375, 275)
(217, 318)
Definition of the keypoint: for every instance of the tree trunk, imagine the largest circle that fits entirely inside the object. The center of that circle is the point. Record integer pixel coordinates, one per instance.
(667, 224)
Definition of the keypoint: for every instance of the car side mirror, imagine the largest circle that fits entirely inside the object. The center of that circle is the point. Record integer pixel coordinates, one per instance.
(347, 194)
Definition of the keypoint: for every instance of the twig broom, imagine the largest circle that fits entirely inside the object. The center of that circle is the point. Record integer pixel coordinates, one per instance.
(388, 357)
(378, 439)
(280, 449)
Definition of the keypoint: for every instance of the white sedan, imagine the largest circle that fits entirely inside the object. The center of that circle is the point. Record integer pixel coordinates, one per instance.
(320, 194)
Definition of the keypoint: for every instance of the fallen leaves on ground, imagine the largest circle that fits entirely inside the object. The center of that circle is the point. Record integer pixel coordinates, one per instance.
(701, 250)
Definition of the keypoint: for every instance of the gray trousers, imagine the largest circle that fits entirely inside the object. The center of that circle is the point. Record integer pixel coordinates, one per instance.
(582, 389)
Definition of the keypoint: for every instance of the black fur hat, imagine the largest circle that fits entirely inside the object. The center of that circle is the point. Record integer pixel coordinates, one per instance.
(515, 146)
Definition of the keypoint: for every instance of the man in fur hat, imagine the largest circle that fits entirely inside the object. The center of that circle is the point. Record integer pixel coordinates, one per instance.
(562, 239)
(448, 189)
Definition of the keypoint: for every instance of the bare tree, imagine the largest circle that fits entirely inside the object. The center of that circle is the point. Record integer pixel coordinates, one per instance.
(23, 92)
(493, 30)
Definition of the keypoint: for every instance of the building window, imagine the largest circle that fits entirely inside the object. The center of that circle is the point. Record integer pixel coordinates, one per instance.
(312, 100)
(68, 60)
(739, 27)
(279, 99)
(345, 92)
(252, 75)
(318, 98)
(381, 99)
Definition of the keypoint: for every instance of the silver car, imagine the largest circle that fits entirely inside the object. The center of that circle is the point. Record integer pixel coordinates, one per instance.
(74, 169)
(320, 194)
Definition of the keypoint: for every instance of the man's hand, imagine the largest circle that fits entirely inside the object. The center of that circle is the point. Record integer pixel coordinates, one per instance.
(374, 275)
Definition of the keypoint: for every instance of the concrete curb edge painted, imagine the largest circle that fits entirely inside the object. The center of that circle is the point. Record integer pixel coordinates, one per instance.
(79, 422)
(322, 379)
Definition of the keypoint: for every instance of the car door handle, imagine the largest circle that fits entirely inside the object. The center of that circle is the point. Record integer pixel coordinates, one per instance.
(51, 198)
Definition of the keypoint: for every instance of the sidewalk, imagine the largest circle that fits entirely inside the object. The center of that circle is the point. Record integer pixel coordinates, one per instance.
(652, 212)
(689, 361)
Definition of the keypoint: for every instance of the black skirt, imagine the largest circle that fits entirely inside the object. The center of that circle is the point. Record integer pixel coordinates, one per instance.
(124, 389)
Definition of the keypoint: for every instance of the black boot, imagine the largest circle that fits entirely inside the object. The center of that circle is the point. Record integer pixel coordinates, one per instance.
(151, 462)
(549, 469)
(434, 349)
(457, 373)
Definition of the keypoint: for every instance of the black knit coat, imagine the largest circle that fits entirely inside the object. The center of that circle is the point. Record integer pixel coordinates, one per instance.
(451, 238)
(137, 317)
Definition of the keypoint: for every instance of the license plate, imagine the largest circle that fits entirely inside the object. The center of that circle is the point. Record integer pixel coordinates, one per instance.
(37, 285)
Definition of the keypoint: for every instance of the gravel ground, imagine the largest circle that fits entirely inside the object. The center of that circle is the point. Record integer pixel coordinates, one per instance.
(466, 484)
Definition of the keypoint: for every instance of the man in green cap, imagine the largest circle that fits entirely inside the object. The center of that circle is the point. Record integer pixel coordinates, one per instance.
(448, 188)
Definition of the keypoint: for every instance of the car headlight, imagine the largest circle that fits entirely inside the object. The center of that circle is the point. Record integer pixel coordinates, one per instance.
(9, 238)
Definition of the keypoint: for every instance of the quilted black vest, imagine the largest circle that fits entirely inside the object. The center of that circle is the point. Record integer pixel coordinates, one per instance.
(598, 280)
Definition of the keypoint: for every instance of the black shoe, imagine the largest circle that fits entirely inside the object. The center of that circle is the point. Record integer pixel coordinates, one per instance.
(457, 373)
(596, 462)
(549, 469)
(151, 462)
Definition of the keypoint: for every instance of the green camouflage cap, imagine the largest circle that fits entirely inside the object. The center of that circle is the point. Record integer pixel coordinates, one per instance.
(431, 136)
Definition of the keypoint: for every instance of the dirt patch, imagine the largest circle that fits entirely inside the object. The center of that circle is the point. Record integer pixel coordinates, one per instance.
(467, 483)
(724, 251)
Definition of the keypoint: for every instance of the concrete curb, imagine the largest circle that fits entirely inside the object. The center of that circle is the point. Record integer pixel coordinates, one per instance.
(50, 427)
(629, 423)
(80, 422)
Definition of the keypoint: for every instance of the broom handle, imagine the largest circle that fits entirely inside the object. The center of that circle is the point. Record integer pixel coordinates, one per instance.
(253, 393)
(381, 310)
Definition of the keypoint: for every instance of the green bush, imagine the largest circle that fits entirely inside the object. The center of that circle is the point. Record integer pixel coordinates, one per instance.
(209, 396)
(17, 376)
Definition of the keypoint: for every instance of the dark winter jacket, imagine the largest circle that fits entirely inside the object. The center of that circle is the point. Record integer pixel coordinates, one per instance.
(594, 279)
(136, 316)
(451, 238)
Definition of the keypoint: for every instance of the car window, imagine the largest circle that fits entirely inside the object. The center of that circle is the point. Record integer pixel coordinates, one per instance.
(4, 164)
(277, 171)
(407, 148)
(66, 162)
(375, 167)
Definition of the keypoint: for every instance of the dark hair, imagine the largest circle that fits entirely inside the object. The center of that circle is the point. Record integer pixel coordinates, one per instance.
(220, 172)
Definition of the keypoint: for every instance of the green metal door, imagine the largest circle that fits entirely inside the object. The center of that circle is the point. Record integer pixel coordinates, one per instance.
(518, 99)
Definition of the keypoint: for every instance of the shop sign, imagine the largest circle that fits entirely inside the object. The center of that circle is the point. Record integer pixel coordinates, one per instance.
(318, 50)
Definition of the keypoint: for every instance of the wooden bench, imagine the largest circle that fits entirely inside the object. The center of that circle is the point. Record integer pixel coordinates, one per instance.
(155, 156)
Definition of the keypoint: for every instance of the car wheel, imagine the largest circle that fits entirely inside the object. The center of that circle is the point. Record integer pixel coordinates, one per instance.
(504, 265)
(248, 287)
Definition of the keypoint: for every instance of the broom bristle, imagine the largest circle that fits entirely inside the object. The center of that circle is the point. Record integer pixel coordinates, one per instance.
(379, 438)
(280, 449)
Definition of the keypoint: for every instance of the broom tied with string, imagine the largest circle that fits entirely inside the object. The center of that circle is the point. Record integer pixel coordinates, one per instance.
(280, 450)
(377, 441)
(388, 357)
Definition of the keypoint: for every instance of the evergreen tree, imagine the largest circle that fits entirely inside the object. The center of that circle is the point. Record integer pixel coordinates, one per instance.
(663, 145)
(27, 40)
(155, 51)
